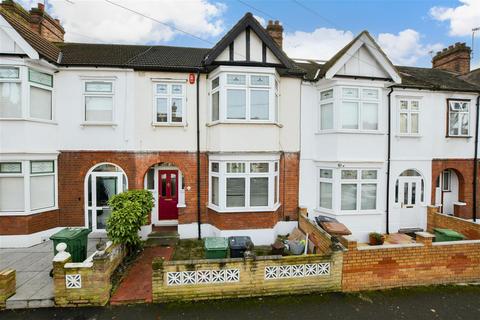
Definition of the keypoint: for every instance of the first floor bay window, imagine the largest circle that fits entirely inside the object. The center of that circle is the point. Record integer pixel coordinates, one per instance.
(348, 190)
(27, 186)
(243, 185)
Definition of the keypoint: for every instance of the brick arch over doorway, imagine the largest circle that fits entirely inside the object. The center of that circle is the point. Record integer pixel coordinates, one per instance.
(464, 171)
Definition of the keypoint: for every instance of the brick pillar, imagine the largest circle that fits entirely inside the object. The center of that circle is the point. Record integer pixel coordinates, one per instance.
(424, 238)
(59, 286)
(7, 285)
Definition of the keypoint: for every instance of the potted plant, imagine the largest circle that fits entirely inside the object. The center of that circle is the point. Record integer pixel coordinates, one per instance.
(376, 239)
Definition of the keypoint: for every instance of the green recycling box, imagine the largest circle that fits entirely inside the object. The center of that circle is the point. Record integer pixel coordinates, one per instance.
(76, 240)
(442, 235)
(216, 247)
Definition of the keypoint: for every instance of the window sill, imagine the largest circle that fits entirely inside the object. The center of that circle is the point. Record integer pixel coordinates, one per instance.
(400, 135)
(353, 213)
(244, 210)
(26, 213)
(211, 124)
(30, 120)
(325, 132)
(458, 137)
(98, 124)
(159, 124)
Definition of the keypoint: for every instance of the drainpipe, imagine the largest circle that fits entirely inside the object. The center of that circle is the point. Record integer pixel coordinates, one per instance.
(475, 162)
(199, 216)
(388, 159)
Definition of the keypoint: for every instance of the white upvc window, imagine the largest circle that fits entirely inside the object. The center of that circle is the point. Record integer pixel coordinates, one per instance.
(458, 118)
(27, 186)
(409, 116)
(25, 93)
(326, 110)
(244, 97)
(237, 186)
(347, 190)
(359, 108)
(99, 101)
(169, 103)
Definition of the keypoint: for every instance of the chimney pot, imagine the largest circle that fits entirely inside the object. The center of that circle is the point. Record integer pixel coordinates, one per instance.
(275, 30)
(455, 58)
(41, 6)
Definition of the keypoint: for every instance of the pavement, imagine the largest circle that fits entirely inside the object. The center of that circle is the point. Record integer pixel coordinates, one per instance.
(34, 287)
(424, 303)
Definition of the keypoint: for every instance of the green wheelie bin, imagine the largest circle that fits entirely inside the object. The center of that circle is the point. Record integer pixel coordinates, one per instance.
(442, 235)
(216, 247)
(76, 240)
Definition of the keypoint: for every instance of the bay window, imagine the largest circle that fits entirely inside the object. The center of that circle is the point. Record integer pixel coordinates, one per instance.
(458, 118)
(249, 97)
(27, 186)
(347, 190)
(409, 115)
(244, 185)
(169, 103)
(98, 101)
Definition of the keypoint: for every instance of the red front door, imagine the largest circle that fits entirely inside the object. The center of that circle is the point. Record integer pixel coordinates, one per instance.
(167, 194)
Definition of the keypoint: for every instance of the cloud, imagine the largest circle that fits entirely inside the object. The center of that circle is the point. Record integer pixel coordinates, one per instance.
(321, 44)
(405, 48)
(462, 18)
(261, 20)
(99, 21)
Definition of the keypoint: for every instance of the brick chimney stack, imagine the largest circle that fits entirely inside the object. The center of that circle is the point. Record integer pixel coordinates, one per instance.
(455, 58)
(275, 30)
(37, 19)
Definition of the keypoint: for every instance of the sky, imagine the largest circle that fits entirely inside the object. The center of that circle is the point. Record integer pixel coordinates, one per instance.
(409, 31)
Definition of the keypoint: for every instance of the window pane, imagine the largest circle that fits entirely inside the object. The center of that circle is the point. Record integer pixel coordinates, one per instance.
(403, 123)
(326, 116)
(350, 93)
(173, 187)
(414, 124)
(98, 108)
(162, 112)
(215, 106)
(9, 73)
(177, 89)
(11, 167)
(41, 167)
(11, 194)
(235, 167)
(42, 192)
(177, 110)
(40, 103)
(369, 174)
(370, 116)
(151, 179)
(349, 174)
(370, 93)
(259, 167)
(260, 80)
(215, 82)
(369, 197)
(163, 178)
(235, 79)
(414, 105)
(236, 100)
(98, 86)
(259, 104)
(10, 100)
(275, 189)
(324, 95)
(326, 195)
(403, 105)
(40, 77)
(454, 124)
(410, 173)
(235, 192)
(215, 190)
(349, 197)
(106, 188)
(102, 216)
(326, 173)
(258, 192)
(464, 123)
(215, 167)
(349, 115)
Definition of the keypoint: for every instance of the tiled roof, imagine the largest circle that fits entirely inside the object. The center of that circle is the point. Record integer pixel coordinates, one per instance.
(473, 77)
(45, 48)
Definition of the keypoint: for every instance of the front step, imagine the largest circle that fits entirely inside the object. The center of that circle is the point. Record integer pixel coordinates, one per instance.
(410, 231)
(28, 303)
(163, 238)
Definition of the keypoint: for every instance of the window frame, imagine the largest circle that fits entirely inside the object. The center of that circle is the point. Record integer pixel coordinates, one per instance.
(86, 94)
(409, 113)
(41, 86)
(247, 175)
(169, 96)
(15, 80)
(468, 112)
(26, 174)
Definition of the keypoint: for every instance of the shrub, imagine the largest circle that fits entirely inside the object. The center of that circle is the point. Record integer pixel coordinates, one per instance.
(130, 210)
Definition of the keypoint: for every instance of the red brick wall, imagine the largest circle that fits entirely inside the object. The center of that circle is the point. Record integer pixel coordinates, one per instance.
(467, 228)
(15, 225)
(464, 170)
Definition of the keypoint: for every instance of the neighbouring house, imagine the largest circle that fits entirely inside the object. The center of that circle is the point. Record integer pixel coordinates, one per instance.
(381, 142)
(230, 139)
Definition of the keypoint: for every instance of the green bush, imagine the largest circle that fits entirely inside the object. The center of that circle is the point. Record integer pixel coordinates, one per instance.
(130, 210)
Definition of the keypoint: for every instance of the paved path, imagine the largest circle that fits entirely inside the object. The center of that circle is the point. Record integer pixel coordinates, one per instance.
(136, 287)
(34, 287)
(449, 303)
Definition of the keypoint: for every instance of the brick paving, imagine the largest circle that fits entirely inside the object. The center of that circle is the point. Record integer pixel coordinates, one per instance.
(136, 287)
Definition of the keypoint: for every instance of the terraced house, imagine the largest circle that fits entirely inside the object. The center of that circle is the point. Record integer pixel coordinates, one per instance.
(231, 139)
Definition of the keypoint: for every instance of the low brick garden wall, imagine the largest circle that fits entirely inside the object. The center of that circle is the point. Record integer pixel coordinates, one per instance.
(439, 220)
(238, 277)
(319, 237)
(86, 283)
(7, 285)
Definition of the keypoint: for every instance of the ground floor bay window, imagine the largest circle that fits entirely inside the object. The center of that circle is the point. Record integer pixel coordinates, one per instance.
(348, 190)
(247, 184)
(28, 186)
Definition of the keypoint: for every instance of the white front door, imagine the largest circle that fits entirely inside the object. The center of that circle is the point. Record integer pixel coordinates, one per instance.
(101, 187)
(410, 197)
